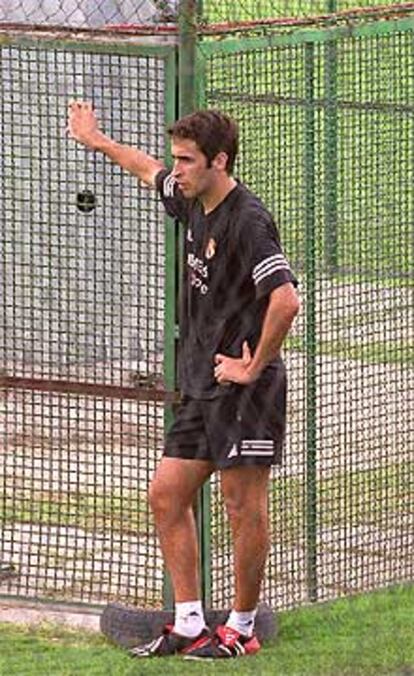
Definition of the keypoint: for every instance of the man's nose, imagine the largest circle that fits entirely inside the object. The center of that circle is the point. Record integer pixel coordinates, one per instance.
(176, 170)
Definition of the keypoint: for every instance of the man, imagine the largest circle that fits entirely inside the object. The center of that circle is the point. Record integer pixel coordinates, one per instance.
(238, 304)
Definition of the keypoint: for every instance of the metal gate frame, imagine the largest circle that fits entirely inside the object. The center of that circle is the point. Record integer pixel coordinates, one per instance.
(162, 48)
(329, 37)
(185, 79)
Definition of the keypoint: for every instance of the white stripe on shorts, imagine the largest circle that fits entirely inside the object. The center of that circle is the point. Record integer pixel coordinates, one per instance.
(257, 447)
(257, 452)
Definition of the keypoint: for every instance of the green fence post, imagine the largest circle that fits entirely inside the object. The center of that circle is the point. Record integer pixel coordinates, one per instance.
(310, 323)
(330, 150)
(170, 312)
(191, 95)
(187, 55)
(184, 104)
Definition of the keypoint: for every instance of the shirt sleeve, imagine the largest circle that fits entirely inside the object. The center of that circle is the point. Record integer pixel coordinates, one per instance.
(263, 255)
(176, 205)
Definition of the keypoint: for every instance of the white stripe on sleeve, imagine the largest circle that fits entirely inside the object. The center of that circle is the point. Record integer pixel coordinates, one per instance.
(168, 186)
(270, 271)
(268, 266)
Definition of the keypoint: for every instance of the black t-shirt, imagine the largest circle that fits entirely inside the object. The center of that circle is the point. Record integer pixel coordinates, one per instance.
(233, 260)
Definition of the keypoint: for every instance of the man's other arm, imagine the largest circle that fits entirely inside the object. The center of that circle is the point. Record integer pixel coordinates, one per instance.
(282, 308)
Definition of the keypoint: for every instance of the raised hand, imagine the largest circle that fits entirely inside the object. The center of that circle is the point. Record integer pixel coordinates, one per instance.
(83, 124)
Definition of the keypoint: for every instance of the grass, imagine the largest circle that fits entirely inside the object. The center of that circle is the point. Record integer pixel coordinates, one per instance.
(390, 283)
(372, 192)
(373, 494)
(224, 10)
(351, 499)
(91, 512)
(373, 352)
(364, 635)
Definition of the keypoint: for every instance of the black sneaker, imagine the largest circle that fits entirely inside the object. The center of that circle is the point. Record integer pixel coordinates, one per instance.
(170, 643)
(225, 642)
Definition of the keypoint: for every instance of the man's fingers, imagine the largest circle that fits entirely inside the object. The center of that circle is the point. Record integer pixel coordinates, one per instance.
(74, 105)
(246, 354)
(80, 105)
(222, 380)
(218, 358)
(219, 374)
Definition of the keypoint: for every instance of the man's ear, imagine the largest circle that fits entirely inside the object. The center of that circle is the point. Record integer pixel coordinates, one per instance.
(220, 161)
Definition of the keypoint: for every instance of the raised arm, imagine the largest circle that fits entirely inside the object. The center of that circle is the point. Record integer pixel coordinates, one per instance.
(84, 128)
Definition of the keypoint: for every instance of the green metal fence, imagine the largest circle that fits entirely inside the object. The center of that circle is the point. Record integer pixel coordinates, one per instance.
(87, 330)
(88, 305)
(245, 10)
(327, 132)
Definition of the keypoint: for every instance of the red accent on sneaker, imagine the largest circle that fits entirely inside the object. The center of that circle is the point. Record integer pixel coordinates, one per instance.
(233, 639)
(168, 643)
(224, 643)
(252, 646)
(227, 635)
(199, 643)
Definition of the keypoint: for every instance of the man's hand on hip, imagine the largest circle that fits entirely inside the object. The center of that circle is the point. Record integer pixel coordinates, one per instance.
(234, 370)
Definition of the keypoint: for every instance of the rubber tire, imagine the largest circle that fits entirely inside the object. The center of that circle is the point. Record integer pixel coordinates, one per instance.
(128, 626)
(7, 571)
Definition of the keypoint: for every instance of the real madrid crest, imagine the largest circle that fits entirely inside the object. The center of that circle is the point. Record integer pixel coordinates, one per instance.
(211, 248)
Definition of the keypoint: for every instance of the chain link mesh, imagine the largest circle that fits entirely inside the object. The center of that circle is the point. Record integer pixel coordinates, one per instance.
(326, 130)
(83, 298)
(249, 10)
(88, 13)
(339, 153)
(101, 13)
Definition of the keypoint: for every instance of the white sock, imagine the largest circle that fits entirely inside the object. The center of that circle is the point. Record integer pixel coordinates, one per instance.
(243, 622)
(189, 618)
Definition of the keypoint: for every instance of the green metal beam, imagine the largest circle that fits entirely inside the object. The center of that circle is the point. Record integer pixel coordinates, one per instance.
(310, 262)
(170, 283)
(203, 507)
(93, 44)
(331, 154)
(187, 56)
(315, 36)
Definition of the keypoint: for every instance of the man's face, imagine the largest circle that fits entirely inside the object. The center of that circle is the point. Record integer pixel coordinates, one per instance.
(190, 169)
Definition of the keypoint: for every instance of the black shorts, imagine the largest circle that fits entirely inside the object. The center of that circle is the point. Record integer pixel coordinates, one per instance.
(244, 426)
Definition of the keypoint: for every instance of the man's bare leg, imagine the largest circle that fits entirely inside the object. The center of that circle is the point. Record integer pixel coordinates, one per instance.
(172, 493)
(245, 495)
(245, 492)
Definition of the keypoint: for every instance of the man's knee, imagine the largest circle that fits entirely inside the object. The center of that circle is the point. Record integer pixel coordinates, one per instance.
(160, 497)
(242, 514)
(175, 484)
(166, 502)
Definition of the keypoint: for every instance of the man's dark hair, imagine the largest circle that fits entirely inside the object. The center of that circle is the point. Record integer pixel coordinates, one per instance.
(212, 131)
